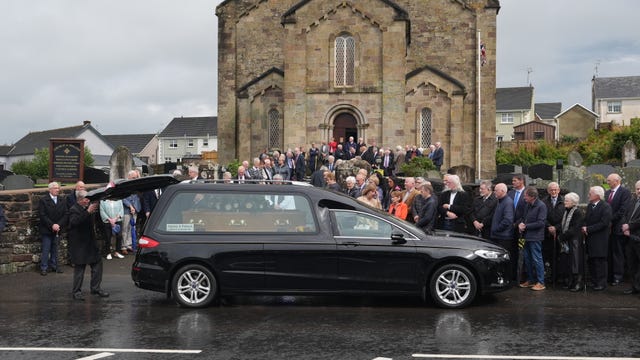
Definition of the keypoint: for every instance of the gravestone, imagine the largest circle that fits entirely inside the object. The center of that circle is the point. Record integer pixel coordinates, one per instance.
(574, 158)
(602, 169)
(579, 187)
(4, 174)
(17, 182)
(634, 163)
(630, 175)
(503, 178)
(465, 173)
(629, 151)
(509, 169)
(120, 163)
(541, 171)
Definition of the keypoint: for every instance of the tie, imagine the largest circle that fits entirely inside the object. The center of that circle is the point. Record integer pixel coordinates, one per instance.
(386, 161)
(553, 201)
(515, 199)
(610, 199)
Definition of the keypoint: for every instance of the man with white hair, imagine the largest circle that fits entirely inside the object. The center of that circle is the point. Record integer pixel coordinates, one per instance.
(454, 205)
(618, 197)
(596, 228)
(52, 211)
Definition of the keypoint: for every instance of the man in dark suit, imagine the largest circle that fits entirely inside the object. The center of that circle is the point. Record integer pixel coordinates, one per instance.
(438, 155)
(301, 165)
(519, 206)
(553, 227)
(502, 222)
(631, 229)
(454, 205)
(618, 197)
(52, 210)
(387, 163)
(596, 227)
(483, 207)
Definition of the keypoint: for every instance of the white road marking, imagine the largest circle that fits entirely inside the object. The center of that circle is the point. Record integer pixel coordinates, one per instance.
(382, 358)
(156, 351)
(516, 357)
(97, 356)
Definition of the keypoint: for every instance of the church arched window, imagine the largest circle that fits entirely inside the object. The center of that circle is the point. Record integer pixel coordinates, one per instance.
(424, 128)
(274, 129)
(345, 61)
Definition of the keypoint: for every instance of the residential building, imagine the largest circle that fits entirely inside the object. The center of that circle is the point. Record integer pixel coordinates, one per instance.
(616, 100)
(514, 106)
(535, 130)
(576, 121)
(394, 72)
(188, 137)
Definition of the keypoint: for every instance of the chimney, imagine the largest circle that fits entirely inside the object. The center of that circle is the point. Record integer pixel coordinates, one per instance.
(86, 122)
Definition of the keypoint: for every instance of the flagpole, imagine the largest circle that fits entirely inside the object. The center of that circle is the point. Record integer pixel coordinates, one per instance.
(479, 106)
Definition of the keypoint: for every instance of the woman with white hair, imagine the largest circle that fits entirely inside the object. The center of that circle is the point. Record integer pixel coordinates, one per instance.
(571, 249)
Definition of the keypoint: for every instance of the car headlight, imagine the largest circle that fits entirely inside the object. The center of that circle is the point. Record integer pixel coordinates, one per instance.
(491, 254)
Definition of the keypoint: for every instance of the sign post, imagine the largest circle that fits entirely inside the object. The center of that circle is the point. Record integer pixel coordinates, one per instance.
(66, 160)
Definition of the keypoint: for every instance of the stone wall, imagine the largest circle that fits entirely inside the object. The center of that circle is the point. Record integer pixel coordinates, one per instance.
(20, 246)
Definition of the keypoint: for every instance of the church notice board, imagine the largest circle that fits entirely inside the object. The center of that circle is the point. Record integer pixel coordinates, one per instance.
(66, 160)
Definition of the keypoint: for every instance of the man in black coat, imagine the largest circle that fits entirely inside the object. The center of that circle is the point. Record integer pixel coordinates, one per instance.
(52, 210)
(553, 228)
(618, 197)
(454, 205)
(82, 246)
(596, 227)
(483, 208)
(631, 228)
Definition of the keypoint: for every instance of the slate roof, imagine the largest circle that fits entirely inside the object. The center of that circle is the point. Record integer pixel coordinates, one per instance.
(191, 127)
(134, 142)
(515, 98)
(548, 110)
(4, 149)
(40, 139)
(616, 87)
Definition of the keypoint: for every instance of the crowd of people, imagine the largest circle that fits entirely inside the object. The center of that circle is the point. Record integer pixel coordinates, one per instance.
(548, 238)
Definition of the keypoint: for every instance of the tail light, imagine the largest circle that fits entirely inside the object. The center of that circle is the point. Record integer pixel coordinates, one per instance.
(147, 243)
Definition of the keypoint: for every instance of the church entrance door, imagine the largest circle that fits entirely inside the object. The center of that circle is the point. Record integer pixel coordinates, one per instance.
(344, 126)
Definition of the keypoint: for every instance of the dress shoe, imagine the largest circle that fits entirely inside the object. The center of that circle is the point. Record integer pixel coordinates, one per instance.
(78, 296)
(631, 291)
(100, 293)
(43, 272)
(616, 283)
(598, 288)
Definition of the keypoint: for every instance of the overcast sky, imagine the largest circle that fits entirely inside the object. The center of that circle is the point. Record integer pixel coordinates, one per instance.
(131, 66)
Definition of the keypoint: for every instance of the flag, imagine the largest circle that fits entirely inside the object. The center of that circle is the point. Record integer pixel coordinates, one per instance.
(483, 55)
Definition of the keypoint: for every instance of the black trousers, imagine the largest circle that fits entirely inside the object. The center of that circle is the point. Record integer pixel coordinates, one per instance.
(633, 261)
(598, 271)
(96, 276)
(617, 244)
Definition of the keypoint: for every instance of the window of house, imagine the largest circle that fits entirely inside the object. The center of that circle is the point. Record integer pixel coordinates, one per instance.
(614, 106)
(538, 135)
(425, 126)
(500, 138)
(274, 129)
(205, 142)
(506, 118)
(189, 142)
(345, 49)
(173, 144)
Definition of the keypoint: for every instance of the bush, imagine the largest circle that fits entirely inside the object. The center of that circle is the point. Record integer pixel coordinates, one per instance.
(418, 166)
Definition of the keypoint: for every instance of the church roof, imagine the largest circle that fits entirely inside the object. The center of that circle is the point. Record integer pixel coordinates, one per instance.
(548, 110)
(402, 13)
(191, 127)
(260, 77)
(134, 142)
(515, 98)
(616, 87)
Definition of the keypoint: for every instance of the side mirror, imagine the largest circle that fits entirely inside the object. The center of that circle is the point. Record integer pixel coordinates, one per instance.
(398, 239)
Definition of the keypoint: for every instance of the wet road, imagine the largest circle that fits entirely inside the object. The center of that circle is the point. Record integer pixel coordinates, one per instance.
(39, 320)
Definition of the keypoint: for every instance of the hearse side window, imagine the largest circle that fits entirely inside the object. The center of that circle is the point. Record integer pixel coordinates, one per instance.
(238, 212)
(357, 224)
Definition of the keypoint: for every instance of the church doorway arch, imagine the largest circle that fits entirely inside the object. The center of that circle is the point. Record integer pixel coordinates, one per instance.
(344, 126)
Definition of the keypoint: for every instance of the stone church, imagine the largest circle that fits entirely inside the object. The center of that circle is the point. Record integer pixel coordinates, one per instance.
(394, 72)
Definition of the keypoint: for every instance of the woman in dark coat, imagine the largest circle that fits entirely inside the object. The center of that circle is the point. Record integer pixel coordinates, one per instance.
(571, 249)
(83, 249)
